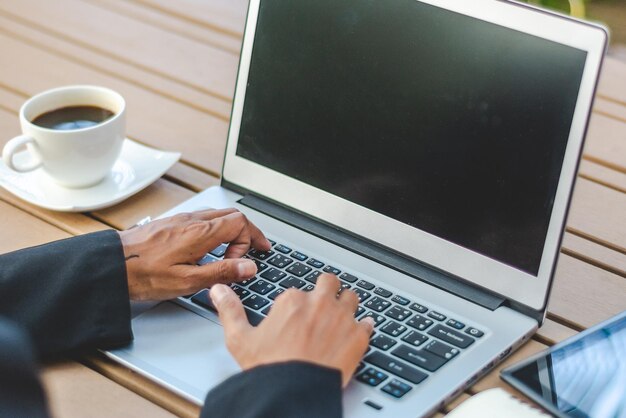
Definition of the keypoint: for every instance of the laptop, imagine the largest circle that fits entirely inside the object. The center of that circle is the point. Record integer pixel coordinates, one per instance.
(424, 152)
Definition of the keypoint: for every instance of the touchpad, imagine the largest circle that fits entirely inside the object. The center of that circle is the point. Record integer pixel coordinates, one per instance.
(179, 349)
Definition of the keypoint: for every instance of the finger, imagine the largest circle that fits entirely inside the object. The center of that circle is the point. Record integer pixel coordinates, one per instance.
(327, 284)
(243, 234)
(367, 324)
(230, 310)
(350, 299)
(224, 271)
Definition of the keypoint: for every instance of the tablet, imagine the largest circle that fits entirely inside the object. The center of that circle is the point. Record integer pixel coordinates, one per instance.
(583, 376)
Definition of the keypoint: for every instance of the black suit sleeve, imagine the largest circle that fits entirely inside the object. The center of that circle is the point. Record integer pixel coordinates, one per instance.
(69, 295)
(293, 389)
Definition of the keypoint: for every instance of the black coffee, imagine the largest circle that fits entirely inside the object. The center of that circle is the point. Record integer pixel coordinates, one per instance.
(73, 117)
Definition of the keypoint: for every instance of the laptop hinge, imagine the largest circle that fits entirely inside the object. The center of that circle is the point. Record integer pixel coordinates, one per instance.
(373, 251)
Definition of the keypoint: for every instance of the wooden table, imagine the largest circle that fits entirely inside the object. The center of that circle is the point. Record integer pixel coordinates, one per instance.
(175, 62)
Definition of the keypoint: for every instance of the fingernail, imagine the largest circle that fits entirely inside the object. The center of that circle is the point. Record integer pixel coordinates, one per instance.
(246, 268)
(218, 292)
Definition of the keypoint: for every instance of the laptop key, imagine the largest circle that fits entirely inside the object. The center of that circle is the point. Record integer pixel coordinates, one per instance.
(474, 332)
(266, 310)
(419, 322)
(240, 291)
(436, 315)
(393, 328)
(260, 255)
(315, 263)
(308, 287)
(415, 338)
(383, 342)
(292, 281)
(365, 284)
(280, 261)
(451, 336)
(273, 275)
(362, 294)
(348, 277)
(298, 269)
(400, 300)
(255, 302)
(455, 324)
(378, 319)
(441, 349)
(359, 311)
(247, 281)
(378, 304)
(260, 266)
(312, 277)
(276, 293)
(262, 287)
(219, 251)
(398, 313)
(396, 388)
(382, 292)
(282, 248)
(299, 256)
(396, 367)
(254, 318)
(202, 298)
(421, 358)
(419, 308)
(332, 270)
(372, 377)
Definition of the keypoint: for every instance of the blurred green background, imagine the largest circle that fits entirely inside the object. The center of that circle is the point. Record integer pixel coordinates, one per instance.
(612, 13)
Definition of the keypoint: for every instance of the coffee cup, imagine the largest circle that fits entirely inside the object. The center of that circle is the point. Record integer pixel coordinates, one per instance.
(74, 134)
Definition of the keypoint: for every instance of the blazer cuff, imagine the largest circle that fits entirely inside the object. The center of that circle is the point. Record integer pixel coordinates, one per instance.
(291, 389)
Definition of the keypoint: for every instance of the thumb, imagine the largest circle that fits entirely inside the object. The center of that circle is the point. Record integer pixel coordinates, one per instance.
(230, 310)
(227, 271)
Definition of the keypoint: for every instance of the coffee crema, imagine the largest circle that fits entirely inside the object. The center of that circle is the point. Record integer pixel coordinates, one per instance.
(73, 117)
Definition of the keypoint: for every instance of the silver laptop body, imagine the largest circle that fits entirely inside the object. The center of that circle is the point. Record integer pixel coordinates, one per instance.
(429, 149)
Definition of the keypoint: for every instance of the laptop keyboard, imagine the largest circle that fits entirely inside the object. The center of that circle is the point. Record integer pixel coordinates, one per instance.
(409, 342)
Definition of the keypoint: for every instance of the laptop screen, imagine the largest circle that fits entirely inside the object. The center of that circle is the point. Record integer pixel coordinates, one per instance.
(447, 123)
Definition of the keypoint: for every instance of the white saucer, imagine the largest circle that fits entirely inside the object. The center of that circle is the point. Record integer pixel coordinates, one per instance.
(137, 167)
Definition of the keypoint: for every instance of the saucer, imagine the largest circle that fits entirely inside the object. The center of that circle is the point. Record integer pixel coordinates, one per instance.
(137, 167)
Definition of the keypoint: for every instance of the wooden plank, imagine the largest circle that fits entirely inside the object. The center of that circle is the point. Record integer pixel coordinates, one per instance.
(597, 213)
(606, 142)
(552, 332)
(612, 84)
(142, 386)
(196, 64)
(456, 402)
(584, 295)
(226, 15)
(610, 109)
(173, 24)
(73, 390)
(191, 178)
(603, 175)
(595, 254)
(152, 119)
(20, 229)
(87, 57)
(153, 201)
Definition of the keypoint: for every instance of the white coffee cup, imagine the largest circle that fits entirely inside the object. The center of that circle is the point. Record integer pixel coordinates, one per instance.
(77, 157)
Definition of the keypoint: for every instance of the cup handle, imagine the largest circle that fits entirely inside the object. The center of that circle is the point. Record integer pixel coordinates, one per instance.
(11, 148)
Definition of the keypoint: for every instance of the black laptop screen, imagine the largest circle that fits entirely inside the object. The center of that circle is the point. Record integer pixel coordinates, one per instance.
(446, 123)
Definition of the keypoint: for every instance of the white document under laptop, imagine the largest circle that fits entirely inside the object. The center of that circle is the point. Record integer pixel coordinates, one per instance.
(425, 152)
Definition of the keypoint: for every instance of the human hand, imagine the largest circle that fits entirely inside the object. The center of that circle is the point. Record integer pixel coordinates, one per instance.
(161, 256)
(316, 327)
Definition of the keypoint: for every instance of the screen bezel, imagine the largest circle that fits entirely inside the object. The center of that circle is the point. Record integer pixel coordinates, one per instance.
(508, 374)
(476, 268)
